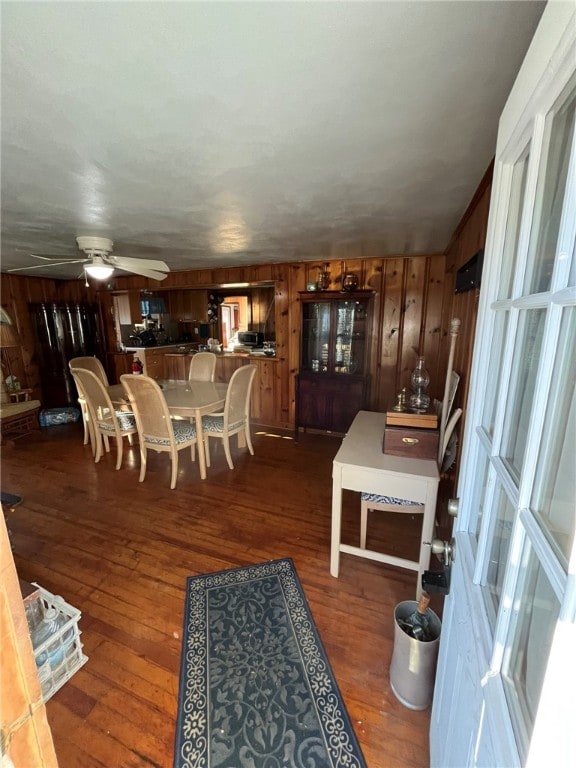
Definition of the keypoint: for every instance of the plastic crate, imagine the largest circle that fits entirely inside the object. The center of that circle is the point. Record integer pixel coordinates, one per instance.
(60, 655)
(50, 417)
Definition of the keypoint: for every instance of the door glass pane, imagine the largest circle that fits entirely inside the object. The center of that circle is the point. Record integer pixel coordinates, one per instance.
(480, 492)
(550, 195)
(536, 612)
(513, 227)
(499, 548)
(521, 395)
(554, 494)
(493, 382)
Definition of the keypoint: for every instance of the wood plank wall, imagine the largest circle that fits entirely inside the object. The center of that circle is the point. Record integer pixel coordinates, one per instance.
(468, 238)
(17, 293)
(413, 304)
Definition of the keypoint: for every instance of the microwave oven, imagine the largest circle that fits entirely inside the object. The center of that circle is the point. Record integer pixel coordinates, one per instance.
(250, 338)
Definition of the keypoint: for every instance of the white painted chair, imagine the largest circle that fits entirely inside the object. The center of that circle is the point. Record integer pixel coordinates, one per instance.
(377, 503)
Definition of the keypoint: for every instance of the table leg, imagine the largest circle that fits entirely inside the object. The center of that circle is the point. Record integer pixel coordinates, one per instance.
(427, 533)
(200, 446)
(336, 524)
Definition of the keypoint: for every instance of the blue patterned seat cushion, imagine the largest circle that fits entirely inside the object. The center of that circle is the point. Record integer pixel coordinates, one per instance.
(374, 497)
(183, 431)
(126, 422)
(216, 424)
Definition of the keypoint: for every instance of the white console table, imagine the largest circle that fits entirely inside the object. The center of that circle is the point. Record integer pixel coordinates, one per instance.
(360, 465)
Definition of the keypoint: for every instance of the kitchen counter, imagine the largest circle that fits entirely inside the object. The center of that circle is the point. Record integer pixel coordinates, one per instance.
(167, 362)
(174, 349)
(143, 349)
(171, 360)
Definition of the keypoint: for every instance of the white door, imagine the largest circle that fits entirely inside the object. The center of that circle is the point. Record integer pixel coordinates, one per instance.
(506, 677)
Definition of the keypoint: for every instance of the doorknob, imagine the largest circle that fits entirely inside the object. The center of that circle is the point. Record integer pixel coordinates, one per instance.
(453, 507)
(445, 550)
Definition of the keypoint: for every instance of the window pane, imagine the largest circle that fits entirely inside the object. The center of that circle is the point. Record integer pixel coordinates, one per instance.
(493, 383)
(554, 496)
(550, 196)
(499, 549)
(521, 395)
(537, 609)
(513, 227)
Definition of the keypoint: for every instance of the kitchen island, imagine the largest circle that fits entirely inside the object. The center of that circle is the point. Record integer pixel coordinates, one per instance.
(172, 362)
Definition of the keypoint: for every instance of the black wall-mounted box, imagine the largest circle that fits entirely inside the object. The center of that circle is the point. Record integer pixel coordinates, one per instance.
(469, 275)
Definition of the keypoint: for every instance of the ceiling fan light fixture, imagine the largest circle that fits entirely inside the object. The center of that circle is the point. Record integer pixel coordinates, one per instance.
(99, 271)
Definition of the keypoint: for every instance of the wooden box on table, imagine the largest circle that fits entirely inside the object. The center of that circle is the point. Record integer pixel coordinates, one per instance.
(413, 435)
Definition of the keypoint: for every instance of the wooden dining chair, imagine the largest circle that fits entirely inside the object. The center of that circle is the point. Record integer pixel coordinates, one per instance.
(94, 365)
(235, 418)
(156, 430)
(105, 420)
(90, 364)
(202, 367)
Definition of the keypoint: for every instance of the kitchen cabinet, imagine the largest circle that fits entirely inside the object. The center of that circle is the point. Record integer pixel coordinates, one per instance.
(119, 363)
(177, 366)
(332, 383)
(153, 361)
(188, 306)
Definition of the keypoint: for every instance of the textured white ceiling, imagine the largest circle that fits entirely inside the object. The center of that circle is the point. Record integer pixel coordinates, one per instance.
(215, 133)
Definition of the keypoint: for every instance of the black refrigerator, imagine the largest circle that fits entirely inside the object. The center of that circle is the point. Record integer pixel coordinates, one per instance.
(63, 331)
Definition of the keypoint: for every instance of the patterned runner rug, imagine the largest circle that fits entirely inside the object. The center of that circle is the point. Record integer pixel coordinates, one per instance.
(256, 689)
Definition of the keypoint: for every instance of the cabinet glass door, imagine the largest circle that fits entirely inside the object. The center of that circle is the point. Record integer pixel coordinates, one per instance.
(350, 335)
(315, 336)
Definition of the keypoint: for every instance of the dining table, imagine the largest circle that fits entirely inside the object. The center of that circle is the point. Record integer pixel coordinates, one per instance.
(188, 399)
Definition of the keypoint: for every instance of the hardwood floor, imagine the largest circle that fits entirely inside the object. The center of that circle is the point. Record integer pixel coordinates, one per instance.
(120, 551)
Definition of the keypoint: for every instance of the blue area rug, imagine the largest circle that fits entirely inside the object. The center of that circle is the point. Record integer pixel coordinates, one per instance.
(256, 689)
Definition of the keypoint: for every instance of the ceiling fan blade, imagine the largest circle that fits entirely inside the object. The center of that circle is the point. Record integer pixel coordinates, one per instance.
(43, 266)
(142, 271)
(132, 265)
(63, 259)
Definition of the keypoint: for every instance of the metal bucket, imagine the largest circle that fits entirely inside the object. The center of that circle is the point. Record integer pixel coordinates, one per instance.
(413, 665)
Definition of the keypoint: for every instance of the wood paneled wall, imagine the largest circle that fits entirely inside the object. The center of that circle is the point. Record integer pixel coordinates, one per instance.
(468, 238)
(406, 313)
(413, 304)
(17, 293)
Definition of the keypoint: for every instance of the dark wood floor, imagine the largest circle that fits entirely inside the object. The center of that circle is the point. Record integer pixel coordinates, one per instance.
(120, 551)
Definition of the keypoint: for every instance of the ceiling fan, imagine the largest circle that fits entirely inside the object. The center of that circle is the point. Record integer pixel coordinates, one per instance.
(100, 263)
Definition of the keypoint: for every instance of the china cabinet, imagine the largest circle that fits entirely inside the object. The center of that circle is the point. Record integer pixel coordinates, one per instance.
(332, 383)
